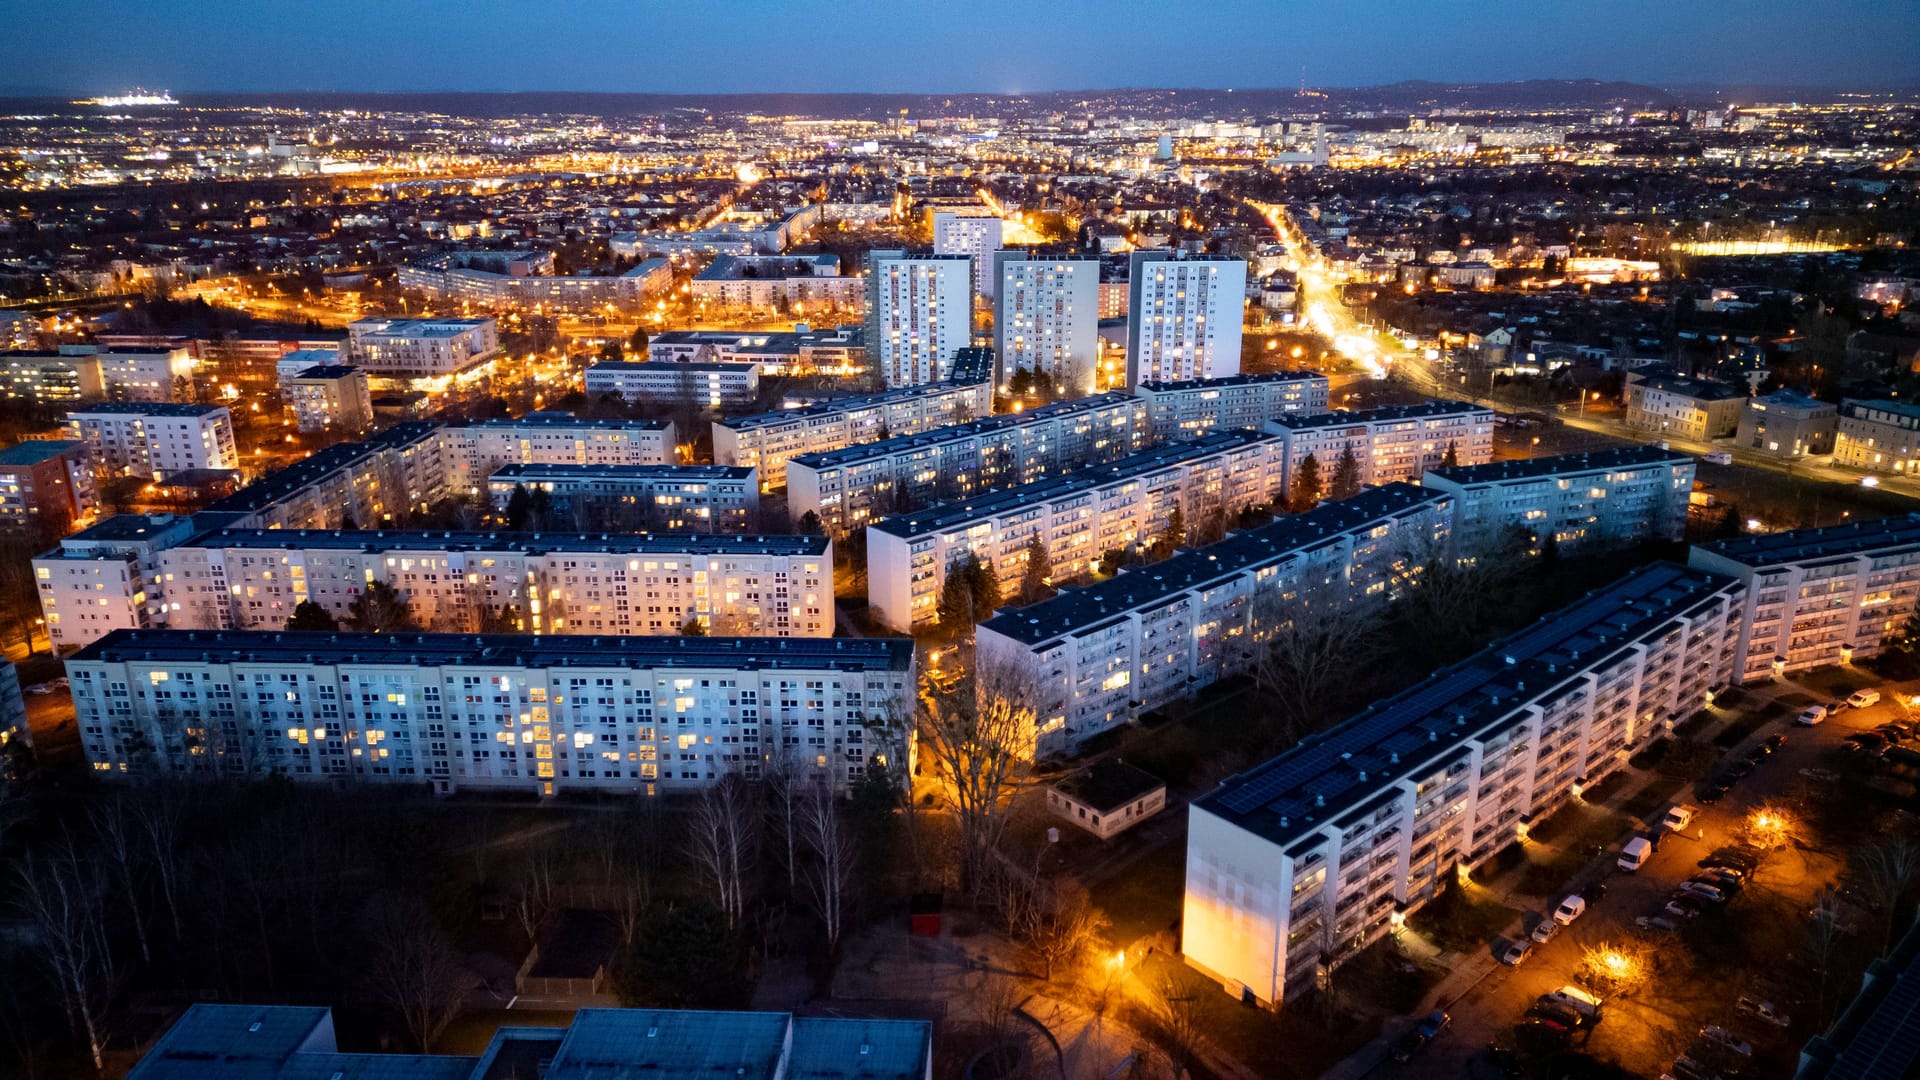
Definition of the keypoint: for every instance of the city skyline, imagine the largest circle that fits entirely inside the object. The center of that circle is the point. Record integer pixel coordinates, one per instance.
(98, 46)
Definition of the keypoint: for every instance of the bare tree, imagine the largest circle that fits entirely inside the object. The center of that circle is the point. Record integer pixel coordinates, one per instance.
(979, 732)
(537, 896)
(625, 850)
(1823, 938)
(113, 827)
(721, 842)
(415, 971)
(829, 873)
(159, 822)
(64, 896)
(1058, 924)
(1182, 1027)
(1309, 643)
(785, 791)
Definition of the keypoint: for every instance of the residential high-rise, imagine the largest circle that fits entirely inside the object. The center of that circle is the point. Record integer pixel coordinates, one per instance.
(155, 440)
(919, 312)
(1047, 318)
(1183, 316)
(975, 235)
(1620, 495)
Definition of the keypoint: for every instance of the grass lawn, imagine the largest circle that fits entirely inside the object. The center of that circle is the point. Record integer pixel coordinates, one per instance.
(1297, 1041)
(1654, 796)
(1144, 898)
(1462, 919)
(1837, 681)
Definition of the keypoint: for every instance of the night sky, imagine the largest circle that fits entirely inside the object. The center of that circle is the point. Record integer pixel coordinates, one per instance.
(692, 46)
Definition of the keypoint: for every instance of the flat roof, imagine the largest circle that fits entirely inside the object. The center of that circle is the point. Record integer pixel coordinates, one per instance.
(1698, 389)
(1616, 457)
(533, 543)
(1386, 414)
(1297, 793)
(500, 650)
(1080, 608)
(122, 528)
(35, 451)
(536, 470)
(945, 515)
(145, 408)
(844, 405)
(327, 371)
(1169, 386)
(283, 483)
(1800, 545)
(650, 367)
(566, 420)
(955, 432)
(1108, 785)
(847, 1048)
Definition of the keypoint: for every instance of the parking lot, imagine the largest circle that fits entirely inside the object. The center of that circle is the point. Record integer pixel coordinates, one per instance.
(1694, 975)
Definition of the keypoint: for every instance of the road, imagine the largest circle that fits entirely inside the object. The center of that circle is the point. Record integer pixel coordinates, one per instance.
(1646, 1031)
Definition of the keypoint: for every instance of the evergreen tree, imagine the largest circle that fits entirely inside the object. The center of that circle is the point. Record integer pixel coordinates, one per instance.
(984, 585)
(519, 505)
(311, 616)
(810, 524)
(381, 609)
(1306, 486)
(638, 342)
(693, 628)
(1346, 476)
(1033, 585)
(1453, 456)
(1173, 534)
(1731, 524)
(956, 596)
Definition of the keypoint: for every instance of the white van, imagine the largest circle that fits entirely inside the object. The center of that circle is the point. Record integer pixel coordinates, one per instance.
(1719, 457)
(1633, 854)
(1574, 998)
(1860, 699)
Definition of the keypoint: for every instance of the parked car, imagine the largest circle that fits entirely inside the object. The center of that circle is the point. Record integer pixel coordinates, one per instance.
(1633, 854)
(1684, 907)
(39, 688)
(1824, 776)
(1570, 909)
(1408, 1044)
(1729, 860)
(1871, 742)
(1728, 887)
(1712, 791)
(1677, 818)
(1861, 699)
(1572, 997)
(1702, 890)
(1719, 457)
(1762, 1010)
(1657, 923)
(1557, 1013)
(1811, 715)
(1434, 1024)
(1515, 953)
(1726, 1040)
(1544, 930)
(1737, 771)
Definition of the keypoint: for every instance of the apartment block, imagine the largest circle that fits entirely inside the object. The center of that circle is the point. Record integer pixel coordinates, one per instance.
(665, 498)
(1103, 654)
(687, 383)
(839, 351)
(1183, 316)
(370, 484)
(784, 283)
(766, 441)
(854, 486)
(919, 311)
(536, 714)
(475, 451)
(106, 577)
(1600, 499)
(1819, 596)
(46, 486)
(1397, 442)
(155, 440)
(1047, 318)
(1296, 865)
(1685, 408)
(973, 234)
(91, 373)
(423, 354)
(1193, 407)
(525, 279)
(1077, 516)
(1878, 436)
(1787, 424)
(330, 397)
(462, 582)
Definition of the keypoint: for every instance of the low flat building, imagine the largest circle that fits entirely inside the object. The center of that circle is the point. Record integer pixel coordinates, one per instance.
(792, 284)
(155, 440)
(766, 441)
(431, 355)
(1600, 499)
(525, 279)
(1078, 517)
(1880, 436)
(46, 487)
(1390, 444)
(1816, 597)
(840, 351)
(1787, 424)
(106, 577)
(698, 384)
(1107, 798)
(297, 1042)
(1296, 865)
(1104, 654)
(330, 397)
(1194, 407)
(527, 713)
(852, 487)
(665, 498)
(1684, 408)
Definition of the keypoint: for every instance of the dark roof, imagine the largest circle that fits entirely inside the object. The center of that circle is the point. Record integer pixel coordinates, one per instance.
(956, 432)
(1698, 389)
(841, 405)
(555, 419)
(585, 473)
(145, 408)
(280, 485)
(1831, 541)
(35, 451)
(1108, 785)
(1251, 379)
(531, 543)
(1384, 415)
(328, 371)
(1616, 457)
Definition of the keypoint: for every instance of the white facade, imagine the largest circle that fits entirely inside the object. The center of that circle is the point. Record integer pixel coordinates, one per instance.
(1104, 654)
(1817, 597)
(919, 312)
(106, 578)
(1194, 407)
(425, 352)
(333, 397)
(1581, 501)
(155, 440)
(465, 277)
(851, 487)
(1297, 864)
(776, 282)
(666, 498)
(508, 712)
(767, 440)
(550, 583)
(838, 351)
(702, 385)
(977, 236)
(1078, 517)
(1398, 442)
(1047, 318)
(1183, 316)
(474, 452)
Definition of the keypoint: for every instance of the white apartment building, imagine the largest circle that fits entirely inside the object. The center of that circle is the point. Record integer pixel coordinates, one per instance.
(106, 577)
(91, 373)
(687, 382)
(155, 439)
(1599, 499)
(1816, 597)
(1396, 442)
(548, 583)
(1104, 654)
(473, 452)
(423, 354)
(546, 715)
(1296, 865)
(919, 312)
(851, 487)
(839, 351)
(1047, 318)
(664, 498)
(508, 279)
(975, 235)
(1078, 516)
(1684, 408)
(1183, 316)
(767, 440)
(791, 283)
(1194, 407)
(330, 397)
(1878, 436)
(370, 484)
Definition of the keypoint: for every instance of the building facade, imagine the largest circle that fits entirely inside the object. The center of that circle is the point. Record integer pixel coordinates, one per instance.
(784, 283)
(423, 354)
(46, 487)
(1396, 442)
(1102, 655)
(852, 487)
(1077, 517)
(525, 279)
(1194, 407)
(330, 397)
(665, 498)
(473, 452)
(839, 351)
(155, 440)
(1183, 316)
(1296, 865)
(541, 715)
(766, 441)
(919, 311)
(1684, 408)
(1582, 502)
(1878, 436)
(1047, 318)
(91, 373)
(702, 385)
(974, 234)
(371, 484)
(106, 578)
(1787, 424)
